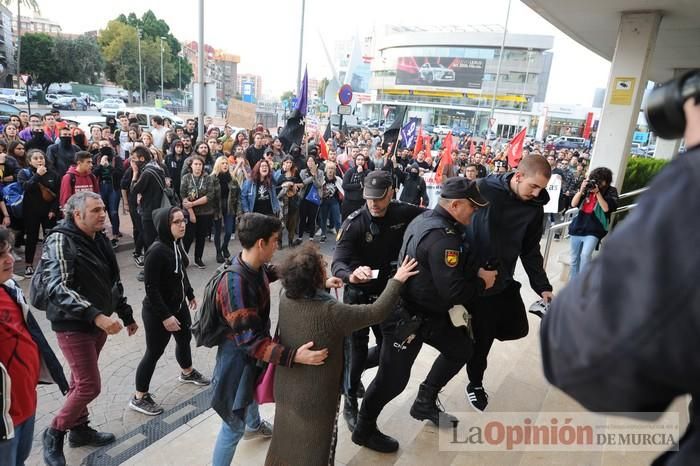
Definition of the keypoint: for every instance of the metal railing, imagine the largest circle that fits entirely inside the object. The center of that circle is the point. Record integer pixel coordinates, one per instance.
(572, 213)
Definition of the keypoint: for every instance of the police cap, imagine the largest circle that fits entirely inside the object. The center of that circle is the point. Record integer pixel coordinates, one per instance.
(462, 188)
(377, 183)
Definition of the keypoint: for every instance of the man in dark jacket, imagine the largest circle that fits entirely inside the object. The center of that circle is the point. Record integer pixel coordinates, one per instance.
(80, 276)
(414, 189)
(623, 337)
(61, 154)
(510, 228)
(353, 183)
(255, 152)
(148, 180)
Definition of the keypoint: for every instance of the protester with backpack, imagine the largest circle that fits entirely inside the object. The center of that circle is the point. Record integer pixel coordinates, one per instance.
(243, 305)
(147, 180)
(39, 204)
(165, 311)
(78, 178)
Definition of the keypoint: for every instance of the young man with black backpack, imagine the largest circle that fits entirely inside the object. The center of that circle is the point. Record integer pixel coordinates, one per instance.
(243, 309)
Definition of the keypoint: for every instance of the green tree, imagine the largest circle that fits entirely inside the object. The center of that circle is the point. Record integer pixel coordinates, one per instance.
(39, 59)
(91, 64)
(119, 45)
(152, 29)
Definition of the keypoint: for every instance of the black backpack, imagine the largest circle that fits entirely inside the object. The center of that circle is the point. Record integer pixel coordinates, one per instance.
(208, 325)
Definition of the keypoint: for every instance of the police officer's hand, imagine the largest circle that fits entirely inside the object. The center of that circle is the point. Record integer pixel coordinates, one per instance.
(305, 355)
(362, 274)
(108, 324)
(488, 276)
(406, 270)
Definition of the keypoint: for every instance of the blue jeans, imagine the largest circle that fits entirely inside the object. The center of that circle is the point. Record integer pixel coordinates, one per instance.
(15, 451)
(110, 197)
(330, 207)
(582, 248)
(230, 435)
(229, 225)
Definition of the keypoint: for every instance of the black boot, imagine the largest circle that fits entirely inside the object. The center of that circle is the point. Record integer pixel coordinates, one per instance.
(350, 412)
(219, 258)
(85, 435)
(53, 447)
(367, 435)
(426, 406)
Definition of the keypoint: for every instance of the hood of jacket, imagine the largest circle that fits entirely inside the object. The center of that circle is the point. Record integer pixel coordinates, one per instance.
(161, 220)
(501, 182)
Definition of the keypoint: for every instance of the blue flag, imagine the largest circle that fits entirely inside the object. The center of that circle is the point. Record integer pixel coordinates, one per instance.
(409, 132)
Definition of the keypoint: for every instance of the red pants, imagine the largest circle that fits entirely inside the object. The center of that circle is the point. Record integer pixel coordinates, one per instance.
(81, 351)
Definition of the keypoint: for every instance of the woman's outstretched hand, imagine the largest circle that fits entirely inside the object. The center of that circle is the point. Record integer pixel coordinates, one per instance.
(406, 270)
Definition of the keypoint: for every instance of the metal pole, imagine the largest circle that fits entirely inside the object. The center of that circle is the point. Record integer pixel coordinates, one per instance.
(200, 65)
(138, 34)
(301, 43)
(162, 93)
(498, 70)
(179, 74)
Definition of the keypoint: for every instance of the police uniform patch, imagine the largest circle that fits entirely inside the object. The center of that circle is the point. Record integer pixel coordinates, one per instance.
(451, 257)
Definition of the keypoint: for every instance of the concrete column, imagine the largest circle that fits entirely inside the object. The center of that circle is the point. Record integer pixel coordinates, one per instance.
(666, 149)
(636, 39)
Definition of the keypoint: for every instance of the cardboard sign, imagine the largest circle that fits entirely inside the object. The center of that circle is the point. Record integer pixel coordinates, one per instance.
(240, 114)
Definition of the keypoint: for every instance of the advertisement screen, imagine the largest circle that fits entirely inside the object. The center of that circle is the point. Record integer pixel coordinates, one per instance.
(463, 73)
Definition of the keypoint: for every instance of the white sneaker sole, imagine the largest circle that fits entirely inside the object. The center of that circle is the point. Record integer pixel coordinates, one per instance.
(143, 411)
(194, 382)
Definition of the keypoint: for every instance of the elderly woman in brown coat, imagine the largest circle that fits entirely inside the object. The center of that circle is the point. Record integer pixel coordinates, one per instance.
(307, 397)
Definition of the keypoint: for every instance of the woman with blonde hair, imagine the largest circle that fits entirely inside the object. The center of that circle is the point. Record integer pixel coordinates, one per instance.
(225, 206)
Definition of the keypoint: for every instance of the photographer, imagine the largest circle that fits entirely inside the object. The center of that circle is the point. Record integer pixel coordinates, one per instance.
(624, 337)
(598, 200)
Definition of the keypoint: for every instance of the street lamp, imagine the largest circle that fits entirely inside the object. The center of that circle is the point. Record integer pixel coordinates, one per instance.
(162, 93)
(138, 34)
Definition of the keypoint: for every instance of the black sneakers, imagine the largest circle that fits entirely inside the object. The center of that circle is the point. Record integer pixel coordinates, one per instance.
(194, 377)
(83, 434)
(145, 405)
(200, 264)
(138, 260)
(477, 397)
(53, 447)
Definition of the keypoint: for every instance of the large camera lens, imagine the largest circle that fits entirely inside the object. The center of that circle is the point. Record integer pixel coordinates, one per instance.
(664, 111)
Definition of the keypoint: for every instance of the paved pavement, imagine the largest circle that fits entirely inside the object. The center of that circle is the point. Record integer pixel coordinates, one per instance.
(514, 380)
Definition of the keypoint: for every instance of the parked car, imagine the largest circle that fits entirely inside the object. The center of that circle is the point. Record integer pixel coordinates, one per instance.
(442, 129)
(144, 115)
(6, 110)
(435, 73)
(13, 96)
(69, 103)
(569, 142)
(110, 107)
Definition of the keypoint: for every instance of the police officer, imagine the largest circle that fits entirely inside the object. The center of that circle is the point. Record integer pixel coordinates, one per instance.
(367, 248)
(446, 278)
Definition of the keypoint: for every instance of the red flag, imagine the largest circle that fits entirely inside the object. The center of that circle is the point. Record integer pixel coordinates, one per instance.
(446, 161)
(515, 149)
(472, 149)
(323, 148)
(419, 142)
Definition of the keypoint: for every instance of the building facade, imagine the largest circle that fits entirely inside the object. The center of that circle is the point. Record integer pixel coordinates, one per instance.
(38, 24)
(7, 48)
(249, 87)
(447, 76)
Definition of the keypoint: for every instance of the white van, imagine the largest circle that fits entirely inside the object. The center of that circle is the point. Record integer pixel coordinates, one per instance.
(13, 96)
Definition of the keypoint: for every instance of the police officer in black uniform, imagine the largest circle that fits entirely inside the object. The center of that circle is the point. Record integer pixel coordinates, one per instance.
(446, 278)
(365, 258)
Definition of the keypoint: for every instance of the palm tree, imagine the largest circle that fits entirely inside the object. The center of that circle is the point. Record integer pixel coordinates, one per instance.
(32, 5)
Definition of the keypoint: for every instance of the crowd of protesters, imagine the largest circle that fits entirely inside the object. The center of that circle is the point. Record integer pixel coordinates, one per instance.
(181, 188)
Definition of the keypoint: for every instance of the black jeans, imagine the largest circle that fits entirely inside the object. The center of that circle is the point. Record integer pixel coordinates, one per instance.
(397, 357)
(198, 232)
(308, 211)
(501, 316)
(137, 230)
(148, 231)
(32, 223)
(358, 356)
(157, 339)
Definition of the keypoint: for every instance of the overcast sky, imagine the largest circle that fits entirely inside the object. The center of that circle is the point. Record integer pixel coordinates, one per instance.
(265, 33)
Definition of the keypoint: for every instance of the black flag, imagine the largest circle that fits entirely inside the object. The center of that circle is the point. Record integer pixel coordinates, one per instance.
(293, 131)
(391, 135)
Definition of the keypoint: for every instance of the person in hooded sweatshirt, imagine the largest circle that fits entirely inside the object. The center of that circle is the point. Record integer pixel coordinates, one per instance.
(78, 178)
(61, 155)
(165, 310)
(174, 163)
(508, 229)
(414, 189)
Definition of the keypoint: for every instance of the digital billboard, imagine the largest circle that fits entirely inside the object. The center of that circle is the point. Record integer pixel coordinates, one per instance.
(463, 73)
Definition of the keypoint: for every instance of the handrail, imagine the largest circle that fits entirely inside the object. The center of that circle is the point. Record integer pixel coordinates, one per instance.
(633, 193)
(574, 210)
